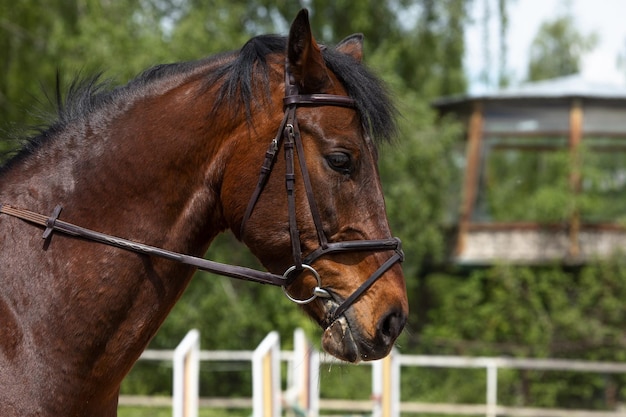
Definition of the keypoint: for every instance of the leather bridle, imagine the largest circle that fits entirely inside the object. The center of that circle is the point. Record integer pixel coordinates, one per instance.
(288, 136)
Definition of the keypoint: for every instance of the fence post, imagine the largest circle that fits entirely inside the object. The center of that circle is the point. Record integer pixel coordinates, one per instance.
(492, 388)
(386, 386)
(303, 395)
(266, 377)
(186, 372)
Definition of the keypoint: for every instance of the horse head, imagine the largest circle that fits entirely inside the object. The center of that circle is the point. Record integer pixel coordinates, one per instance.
(318, 213)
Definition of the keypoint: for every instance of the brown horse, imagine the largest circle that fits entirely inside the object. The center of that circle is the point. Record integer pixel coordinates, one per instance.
(171, 160)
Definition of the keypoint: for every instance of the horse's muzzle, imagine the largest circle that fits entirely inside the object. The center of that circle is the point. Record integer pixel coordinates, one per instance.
(344, 339)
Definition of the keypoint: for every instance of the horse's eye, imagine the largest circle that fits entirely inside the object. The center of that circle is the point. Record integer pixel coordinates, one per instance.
(340, 162)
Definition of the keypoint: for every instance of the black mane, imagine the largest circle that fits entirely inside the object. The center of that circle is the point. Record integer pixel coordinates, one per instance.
(372, 98)
(243, 72)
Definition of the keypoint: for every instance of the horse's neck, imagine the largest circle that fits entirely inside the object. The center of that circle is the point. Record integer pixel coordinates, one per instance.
(150, 174)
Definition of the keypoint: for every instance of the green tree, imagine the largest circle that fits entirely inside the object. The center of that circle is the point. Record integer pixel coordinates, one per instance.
(558, 48)
(548, 311)
(65, 39)
(28, 35)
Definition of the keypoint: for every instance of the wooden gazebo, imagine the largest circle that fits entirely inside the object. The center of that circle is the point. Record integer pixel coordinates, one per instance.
(545, 173)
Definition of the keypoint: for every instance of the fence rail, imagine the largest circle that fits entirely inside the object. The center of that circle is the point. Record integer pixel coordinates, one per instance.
(386, 401)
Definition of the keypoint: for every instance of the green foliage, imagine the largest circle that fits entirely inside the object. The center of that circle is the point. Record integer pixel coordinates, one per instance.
(558, 49)
(520, 183)
(536, 312)
(602, 185)
(444, 385)
(531, 312)
(419, 176)
(539, 181)
(345, 381)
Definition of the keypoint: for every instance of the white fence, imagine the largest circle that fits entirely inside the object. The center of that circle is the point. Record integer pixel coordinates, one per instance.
(266, 394)
(186, 374)
(302, 391)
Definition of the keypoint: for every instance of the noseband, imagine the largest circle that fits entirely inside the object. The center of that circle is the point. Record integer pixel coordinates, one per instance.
(288, 137)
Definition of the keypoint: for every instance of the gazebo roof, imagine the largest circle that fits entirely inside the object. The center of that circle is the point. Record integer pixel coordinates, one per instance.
(573, 86)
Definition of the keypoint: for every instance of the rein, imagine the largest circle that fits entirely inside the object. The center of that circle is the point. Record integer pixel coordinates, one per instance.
(288, 136)
(52, 223)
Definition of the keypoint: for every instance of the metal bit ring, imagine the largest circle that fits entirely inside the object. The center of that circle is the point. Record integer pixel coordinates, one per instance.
(318, 291)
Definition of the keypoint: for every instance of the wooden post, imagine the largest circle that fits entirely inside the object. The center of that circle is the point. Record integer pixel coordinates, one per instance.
(472, 172)
(575, 138)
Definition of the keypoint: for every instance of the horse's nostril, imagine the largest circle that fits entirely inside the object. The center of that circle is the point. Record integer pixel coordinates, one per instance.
(391, 325)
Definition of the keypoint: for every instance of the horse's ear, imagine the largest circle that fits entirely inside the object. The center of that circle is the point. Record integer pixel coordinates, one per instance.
(305, 57)
(352, 46)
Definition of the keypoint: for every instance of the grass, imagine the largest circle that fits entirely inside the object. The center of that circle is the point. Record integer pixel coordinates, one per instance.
(134, 411)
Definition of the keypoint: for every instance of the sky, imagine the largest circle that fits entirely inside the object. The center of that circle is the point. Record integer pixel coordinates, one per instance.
(607, 18)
